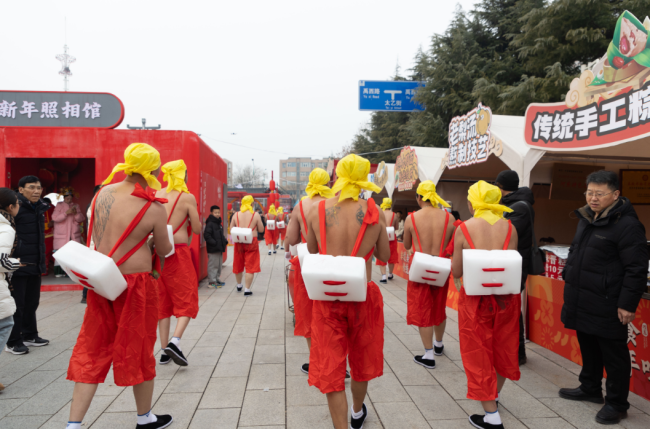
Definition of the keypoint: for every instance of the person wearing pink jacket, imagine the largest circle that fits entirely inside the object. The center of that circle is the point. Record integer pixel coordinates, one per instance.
(67, 217)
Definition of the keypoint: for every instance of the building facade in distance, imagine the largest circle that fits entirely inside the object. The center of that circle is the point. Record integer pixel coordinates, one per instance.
(294, 174)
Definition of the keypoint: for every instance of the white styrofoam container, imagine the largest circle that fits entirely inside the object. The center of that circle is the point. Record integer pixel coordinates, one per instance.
(429, 269)
(270, 224)
(170, 233)
(293, 250)
(491, 272)
(280, 224)
(91, 269)
(302, 251)
(335, 278)
(391, 233)
(241, 235)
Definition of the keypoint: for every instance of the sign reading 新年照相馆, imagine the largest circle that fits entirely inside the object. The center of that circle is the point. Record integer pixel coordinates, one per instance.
(607, 105)
(60, 109)
(469, 137)
(406, 169)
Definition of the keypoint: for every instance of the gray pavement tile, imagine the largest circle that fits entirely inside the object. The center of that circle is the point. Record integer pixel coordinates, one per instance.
(454, 382)
(24, 422)
(240, 346)
(8, 405)
(268, 376)
(167, 371)
(48, 401)
(193, 332)
(213, 339)
(224, 393)
(387, 388)
(181, 407)
(59, 362)
(190, 379)
(220, 325)
(297, 345)
(97, 407)
(248, 318)
(452, 350)
(31, 384)
(125, 402)
(408, 372)
(400, 415)
(536, 385)
(268, 354)
(412, 342)
(576, 413)
(560, 360)
(398, 328)
(273, 322)
(551, 371)
(204, 356)
(300, 393)
(225, 418)
(639, 402)
(521, 404)
(316, 417)
(295, 361)
(263, 408)
(270, 336)
(233, 366)
(636, 421)
(253, 309)
(435, 403)
(263, 427)
(450, 424)
(547, 423)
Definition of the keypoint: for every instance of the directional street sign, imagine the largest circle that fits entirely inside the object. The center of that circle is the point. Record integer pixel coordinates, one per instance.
(389, 96)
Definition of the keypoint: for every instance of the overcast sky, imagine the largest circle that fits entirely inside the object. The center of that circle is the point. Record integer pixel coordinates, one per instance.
(281, 75)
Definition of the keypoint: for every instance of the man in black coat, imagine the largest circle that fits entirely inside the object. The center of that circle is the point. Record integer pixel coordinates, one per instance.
(216, 243)
(605, 277)
(26, 281)
(520, 200)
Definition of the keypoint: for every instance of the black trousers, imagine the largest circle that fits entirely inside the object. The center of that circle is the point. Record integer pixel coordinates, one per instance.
(522, 338)
(27, 294)
(614, 356)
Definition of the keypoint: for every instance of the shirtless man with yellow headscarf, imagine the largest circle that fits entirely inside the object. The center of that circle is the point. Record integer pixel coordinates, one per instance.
(352, 331)
(123, 332)
(391, 220)
(488, 324)
(247, 256)
(428, 231)
(178, 283)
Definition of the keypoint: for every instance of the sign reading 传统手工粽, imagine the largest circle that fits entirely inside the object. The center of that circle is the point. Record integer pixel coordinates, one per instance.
(60, 109)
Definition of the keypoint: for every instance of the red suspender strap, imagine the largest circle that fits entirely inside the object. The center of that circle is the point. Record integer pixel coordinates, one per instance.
(129, 230)
(416, 230)
(304, 221)
(392, 219)
(507, 243)
(357, 243)
(238, 226)
(466, 234)
(251, 221)
(444, 234)
(91, 221)
(182, 223)
(174, 206)
(323, 226)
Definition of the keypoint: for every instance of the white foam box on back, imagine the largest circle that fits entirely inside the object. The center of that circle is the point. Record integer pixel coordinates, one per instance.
(270, 224)
(391, 233)
(91, 269)
(429, 269)
(302, 251)
(335, 278)
(170, 233)
(491, 272)
(280, 224)
(241, 235)
(293, 250)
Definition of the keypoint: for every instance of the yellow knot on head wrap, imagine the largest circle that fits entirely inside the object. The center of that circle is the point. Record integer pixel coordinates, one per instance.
(139, 158)
(272, 210)
(175, 176)
(427, 190)
(280, 210)
(386, 204)
(485, 201)
(352, 172)
(318, 178)
(247, 204)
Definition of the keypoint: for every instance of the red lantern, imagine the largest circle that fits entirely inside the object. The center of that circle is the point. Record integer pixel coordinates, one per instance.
(65, 165)
(272, 185)
(46, 177)
(229, 206)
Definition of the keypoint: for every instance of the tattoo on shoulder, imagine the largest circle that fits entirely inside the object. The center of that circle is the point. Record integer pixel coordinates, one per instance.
(360, 215)
(332, 216)
(103, 207)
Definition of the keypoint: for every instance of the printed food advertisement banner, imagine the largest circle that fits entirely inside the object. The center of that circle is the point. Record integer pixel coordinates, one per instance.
(607, 105)
(406, 169)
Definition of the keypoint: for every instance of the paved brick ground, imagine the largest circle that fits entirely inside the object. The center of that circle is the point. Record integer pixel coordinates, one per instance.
(245, 373)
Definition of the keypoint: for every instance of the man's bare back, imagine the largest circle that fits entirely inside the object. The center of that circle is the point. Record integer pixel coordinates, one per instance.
(344, 220)
(296, 229)
(186, 207)
(114, 210)
(242, 219)
(388, 215)
(430, 222)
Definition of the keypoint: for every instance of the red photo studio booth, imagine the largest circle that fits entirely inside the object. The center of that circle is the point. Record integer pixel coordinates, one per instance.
(61, 151)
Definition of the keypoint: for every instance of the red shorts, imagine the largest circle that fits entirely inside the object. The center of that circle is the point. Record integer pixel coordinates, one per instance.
(247, 256)
(426, 304)
(352, 330)
(302, 305)
(271, 236)
(488, 329)
(178, 285)
(394, 255)
(283, 233)
(120, 332)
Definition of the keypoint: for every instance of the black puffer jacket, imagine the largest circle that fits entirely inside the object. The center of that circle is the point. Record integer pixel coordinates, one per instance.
(214, 238)
(521, 201)
(606, 270)
(30, 230)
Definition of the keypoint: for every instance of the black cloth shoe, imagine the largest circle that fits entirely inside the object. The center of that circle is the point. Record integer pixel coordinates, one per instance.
(305, 368)
(249, 293)
(240, 288)
(36, 342)
(438, 350)
(83, 300)
(358, 423)
(347, 374)
(162, 422)
(177, 356)
(578, 395)
(608, 415)
(18, 349)
(383, 281)
(164, 359)
(427, 363)
(274, 252)
(390, 277)
(477, 421)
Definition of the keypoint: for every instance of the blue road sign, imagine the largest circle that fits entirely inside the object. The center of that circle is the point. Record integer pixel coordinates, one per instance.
(389, 96)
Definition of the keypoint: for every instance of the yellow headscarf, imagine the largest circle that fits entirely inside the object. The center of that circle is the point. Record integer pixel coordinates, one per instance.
(280, 210)
(485, 201)
(139, 158)
(247, 204)
(272, 210)
(386, 204)
(352, 172)
(428, 191)
(318, 178)
(175, 176)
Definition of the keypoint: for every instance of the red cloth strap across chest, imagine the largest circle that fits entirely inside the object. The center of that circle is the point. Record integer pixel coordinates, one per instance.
(171, 212)
(304, 222)
(444, 233)
(249, 223)
(463, 228)
(371, 218)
